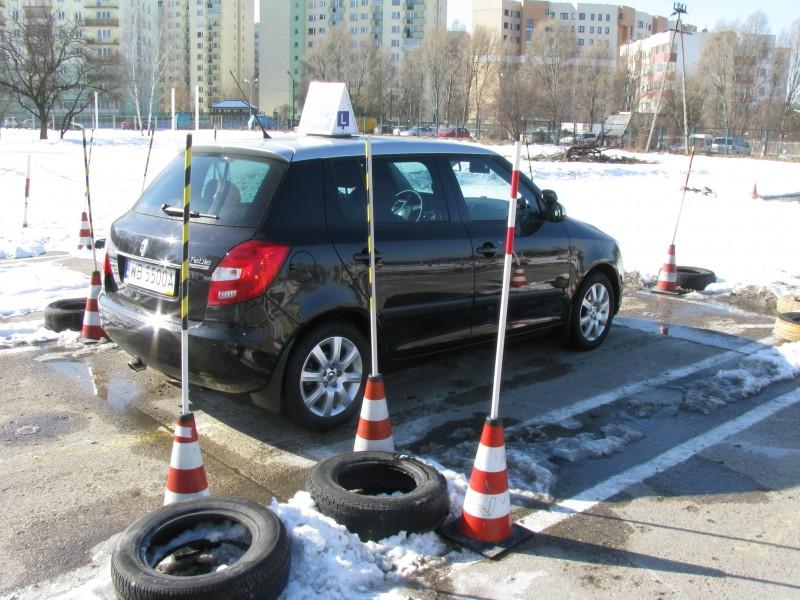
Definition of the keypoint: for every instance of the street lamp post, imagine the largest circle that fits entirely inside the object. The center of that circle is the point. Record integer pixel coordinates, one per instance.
(292, 78)
(252, 94)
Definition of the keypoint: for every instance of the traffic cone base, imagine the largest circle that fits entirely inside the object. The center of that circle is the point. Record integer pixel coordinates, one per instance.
(374, 427)
(85, 235)
(92, 330)
(755, 192)
(186, 477)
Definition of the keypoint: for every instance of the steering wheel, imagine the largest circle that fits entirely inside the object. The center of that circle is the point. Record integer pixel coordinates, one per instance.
(406, 203)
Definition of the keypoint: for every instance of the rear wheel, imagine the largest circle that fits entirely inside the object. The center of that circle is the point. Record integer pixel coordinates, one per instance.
(592, 312)
(325, 376)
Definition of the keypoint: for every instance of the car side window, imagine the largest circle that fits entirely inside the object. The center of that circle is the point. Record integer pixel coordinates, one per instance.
(405, 190)
(485, 186)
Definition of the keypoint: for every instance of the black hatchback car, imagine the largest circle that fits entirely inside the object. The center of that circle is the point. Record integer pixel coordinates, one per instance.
(278, 266)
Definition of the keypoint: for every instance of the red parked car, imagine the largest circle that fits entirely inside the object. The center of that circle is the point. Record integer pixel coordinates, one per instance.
(453, 132)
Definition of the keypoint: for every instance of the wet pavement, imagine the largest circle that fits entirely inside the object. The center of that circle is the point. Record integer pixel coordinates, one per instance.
(85, 444)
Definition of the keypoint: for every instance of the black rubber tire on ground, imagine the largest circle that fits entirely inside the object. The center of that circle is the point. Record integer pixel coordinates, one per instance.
(577, 336)
(787, 326)
(293, 388)
(65, 314)
(262, 572)
(694, 278)
(346, 487)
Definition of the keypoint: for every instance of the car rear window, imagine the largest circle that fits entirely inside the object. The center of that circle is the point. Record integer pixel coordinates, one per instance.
(235, 189)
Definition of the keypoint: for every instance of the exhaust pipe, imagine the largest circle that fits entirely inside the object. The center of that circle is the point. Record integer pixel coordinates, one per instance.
(137, 364)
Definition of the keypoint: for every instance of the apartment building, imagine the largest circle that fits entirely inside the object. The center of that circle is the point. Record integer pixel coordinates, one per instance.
(203, 42)
(290, 28)
(594, 25)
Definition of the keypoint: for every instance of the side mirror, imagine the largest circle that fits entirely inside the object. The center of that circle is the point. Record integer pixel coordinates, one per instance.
(100, 243)
(553, 211)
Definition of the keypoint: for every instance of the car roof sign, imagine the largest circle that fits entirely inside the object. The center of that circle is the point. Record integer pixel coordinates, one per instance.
(328, 111)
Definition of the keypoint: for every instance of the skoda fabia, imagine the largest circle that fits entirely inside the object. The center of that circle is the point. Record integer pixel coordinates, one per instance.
(278, 288)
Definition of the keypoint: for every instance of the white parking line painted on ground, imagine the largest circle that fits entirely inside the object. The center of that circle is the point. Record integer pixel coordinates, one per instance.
(407, 433)
(690, 334)
(539, 521)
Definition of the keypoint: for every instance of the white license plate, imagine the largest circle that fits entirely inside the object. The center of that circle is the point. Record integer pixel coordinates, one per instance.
(150, 277)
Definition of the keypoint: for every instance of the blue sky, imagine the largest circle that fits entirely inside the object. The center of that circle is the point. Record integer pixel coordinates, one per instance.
(705, 13)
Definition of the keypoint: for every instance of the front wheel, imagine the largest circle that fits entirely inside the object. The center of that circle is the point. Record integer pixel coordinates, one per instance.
(592, 312)
(325, 376)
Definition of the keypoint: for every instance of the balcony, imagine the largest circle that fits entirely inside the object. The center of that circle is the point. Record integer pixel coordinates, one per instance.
(105, 42)
(101, 22)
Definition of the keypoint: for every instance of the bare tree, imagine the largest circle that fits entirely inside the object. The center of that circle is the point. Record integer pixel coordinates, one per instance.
(143, 65)
(551, 58)
(736, 62)
(513, 99)
(791, 41)
(593, 80)
(44, 61)
(484, 64)
(435, 66)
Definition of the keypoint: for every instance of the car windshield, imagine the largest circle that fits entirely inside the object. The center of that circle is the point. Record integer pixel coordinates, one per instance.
(229, 190)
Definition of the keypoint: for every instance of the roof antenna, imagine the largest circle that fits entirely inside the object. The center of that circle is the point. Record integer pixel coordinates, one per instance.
(244, 99)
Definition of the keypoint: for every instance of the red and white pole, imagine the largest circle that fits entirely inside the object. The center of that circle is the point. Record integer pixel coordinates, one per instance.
(509, 254)
(27, 192)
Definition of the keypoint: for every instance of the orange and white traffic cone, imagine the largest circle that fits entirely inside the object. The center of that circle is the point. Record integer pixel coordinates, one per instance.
(187, 475)
(85, 237)
(92, 330)
(486, 516)
(755, 192)
(518, 279)
(668, 278)
(374, 428)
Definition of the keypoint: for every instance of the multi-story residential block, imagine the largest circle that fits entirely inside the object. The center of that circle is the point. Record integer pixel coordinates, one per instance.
(594, 25)
(203, 43)
(290, 28)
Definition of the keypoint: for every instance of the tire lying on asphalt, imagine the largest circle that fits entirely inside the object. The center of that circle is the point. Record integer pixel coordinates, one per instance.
(787, 326)
(175, 551)
(694, 278)
(788, 304)
(65, 314)
(378, 494)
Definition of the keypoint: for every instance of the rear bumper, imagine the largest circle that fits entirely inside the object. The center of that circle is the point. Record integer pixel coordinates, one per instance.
(222, 356)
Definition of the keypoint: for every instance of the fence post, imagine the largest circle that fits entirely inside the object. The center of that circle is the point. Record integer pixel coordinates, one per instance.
(765, 138)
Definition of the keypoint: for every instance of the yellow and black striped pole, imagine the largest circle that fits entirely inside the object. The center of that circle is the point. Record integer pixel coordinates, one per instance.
(89, 200)
(184, 291)
(373, 300)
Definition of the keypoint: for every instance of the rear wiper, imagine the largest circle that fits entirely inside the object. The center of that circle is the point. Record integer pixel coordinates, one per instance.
(177, 211)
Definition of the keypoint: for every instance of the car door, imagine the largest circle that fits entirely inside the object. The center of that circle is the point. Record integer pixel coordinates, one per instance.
(424, 275)
(541, 270)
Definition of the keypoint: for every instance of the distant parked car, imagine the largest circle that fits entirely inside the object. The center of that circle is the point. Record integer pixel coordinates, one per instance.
(10, 122)
(722, 145)
(383, 130)
(453, 132)
(398, 130)
(417, 131)
(585, 139)
(129, 125)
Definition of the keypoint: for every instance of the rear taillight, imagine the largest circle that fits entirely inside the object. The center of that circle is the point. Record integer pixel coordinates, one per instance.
(108, 276)
(245, 272)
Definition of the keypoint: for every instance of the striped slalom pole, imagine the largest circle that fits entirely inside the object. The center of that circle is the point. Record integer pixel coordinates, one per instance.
(27, 192)
(374, 427)
(509, 254)
(187, 475)
(486, 515)
(89, 200)
(147, 162)
(184, 292)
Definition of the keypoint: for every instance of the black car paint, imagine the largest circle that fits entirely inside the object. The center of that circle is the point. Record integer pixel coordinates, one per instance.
(236, 348)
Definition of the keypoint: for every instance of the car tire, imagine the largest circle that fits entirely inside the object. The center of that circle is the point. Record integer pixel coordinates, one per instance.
(355, 490)
(332, 399)
(261, 572)
(694, 278)
(788, 304)
(590, 320)
(787, 326)
(66, 314)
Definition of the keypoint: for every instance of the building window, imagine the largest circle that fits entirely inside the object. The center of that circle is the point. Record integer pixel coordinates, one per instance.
(528, 30)
(607, 30)
(505, 12)
(564, 16)
(395, 43)
(580, 41)
(581, 28)
(505, 25)
(581, 16)
(608, 17)
(591, 29)
(591, 16)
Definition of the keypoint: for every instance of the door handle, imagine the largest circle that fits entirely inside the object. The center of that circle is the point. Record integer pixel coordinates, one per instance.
(488, 250)
(363, 256)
